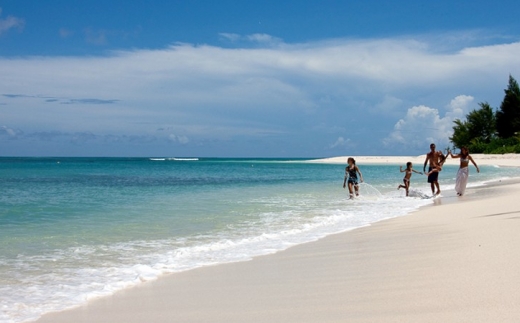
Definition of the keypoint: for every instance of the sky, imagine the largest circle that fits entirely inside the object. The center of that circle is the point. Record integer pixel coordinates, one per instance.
(202, 78)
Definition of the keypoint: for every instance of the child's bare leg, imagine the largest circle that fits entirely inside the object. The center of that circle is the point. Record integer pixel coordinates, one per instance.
(407, 187)
(432, 171)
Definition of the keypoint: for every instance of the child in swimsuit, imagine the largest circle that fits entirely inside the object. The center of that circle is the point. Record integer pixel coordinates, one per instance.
(408, 174)
(438, 168)
(351, 172)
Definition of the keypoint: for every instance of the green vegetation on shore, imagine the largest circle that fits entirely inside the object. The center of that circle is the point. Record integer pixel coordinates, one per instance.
(492, 132)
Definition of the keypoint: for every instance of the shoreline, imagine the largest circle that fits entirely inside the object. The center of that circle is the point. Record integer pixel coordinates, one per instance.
(506, 160)
(193, 291)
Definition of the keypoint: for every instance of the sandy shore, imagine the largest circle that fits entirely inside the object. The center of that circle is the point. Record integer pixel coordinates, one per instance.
(511, 160)
(453, 262)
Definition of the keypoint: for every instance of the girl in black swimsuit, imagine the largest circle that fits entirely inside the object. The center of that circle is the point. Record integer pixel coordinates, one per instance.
(351, 172)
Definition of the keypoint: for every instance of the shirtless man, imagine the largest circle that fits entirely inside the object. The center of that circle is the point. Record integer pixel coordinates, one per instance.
(435, 158)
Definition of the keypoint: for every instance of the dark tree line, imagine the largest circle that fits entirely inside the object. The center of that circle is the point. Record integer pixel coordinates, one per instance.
(492, 132)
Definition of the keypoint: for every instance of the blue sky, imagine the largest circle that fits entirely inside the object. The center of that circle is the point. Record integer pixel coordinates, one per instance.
(247, 78)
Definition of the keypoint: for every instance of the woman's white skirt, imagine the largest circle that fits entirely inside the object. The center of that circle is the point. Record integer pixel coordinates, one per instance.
(462, 180)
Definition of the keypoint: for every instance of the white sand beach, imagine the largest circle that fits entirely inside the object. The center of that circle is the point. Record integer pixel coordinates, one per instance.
(454, 261)
(507, 160)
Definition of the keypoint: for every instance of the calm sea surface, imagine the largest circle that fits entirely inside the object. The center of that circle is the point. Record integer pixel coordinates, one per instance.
(72, 229)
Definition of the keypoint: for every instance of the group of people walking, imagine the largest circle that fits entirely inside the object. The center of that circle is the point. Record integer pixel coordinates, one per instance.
(434, 159)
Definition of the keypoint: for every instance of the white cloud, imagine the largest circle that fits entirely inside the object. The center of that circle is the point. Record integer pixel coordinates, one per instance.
(179, 139)
(340, 142)
(458, 107)
(215, 93)
(10, 22)
(230, 37)
(10, 133)
(207, 74)
(263, 38)
(423, 125)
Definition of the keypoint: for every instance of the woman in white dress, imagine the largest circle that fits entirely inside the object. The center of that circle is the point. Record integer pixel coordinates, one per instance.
(463, 173)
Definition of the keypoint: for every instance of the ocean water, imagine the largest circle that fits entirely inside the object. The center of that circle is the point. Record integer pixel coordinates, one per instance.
(73, 229)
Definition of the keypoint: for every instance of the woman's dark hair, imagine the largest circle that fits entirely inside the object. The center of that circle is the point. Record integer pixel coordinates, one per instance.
(464, 148)
(408, 164)
(353, 160)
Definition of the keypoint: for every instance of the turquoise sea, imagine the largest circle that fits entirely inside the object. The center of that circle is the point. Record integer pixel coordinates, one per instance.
(72, 229)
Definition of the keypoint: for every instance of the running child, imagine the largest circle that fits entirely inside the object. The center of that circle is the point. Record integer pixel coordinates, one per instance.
(351, 172)
(408, 174)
